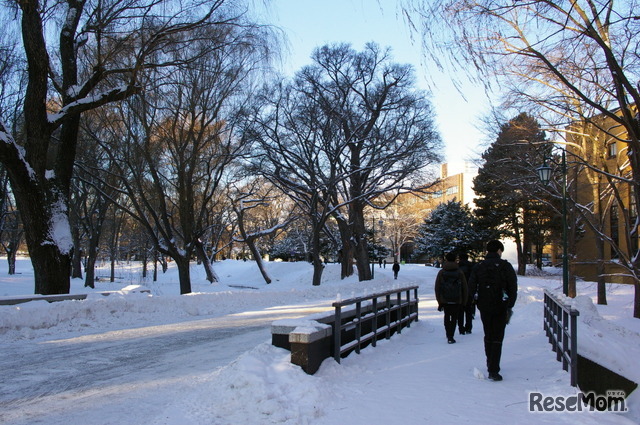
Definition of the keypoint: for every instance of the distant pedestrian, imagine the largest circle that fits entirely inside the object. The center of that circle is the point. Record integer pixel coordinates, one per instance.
(495, 287)
(468, 311)
(451, 293)
(384, 264)
(380, 262)
(396, 269)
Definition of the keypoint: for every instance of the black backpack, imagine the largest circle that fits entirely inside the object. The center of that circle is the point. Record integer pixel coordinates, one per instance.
(491, 286)
(451, 286)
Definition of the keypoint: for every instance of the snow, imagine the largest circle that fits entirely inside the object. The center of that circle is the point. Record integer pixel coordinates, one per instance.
(60, 230)
(56, 118)
(413, 378)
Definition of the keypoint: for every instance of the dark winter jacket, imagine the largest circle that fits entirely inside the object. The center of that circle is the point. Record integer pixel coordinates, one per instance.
(508, 278)
(451, 266)
(396, 267)
(466, 266)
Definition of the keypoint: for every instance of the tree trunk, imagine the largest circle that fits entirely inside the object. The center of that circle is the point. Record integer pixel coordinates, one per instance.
(163, 263)
(184, 274)
(144, 267)
(51, 270)
(251, 243)
(45, 227)
(318, 266)
(76, 259)
(90, 272)
(522, 261)
(112, 276)
(76, 263)
(11, 260)
(600, 272)
(92, 256)
(155, 268)
(361, 253)
(346, 257)
(206, 262)
(346, 260)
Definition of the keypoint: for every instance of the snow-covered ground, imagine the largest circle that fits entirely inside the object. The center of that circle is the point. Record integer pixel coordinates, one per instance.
(413, 378)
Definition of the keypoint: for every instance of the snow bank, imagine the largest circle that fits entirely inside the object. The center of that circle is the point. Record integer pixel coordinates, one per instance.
(263, 381)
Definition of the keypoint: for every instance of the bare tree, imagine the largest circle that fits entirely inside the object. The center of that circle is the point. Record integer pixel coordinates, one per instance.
(248, 201)
(385, 127)
(11, 229)
(181, 140)
(296, 151)
(349, 128)
(78, 56)
(92, 197)
(401, 222)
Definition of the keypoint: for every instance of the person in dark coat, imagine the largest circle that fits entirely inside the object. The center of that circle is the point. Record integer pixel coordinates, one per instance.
(467, 313)
(451, 307)
(396, 269)
(495, 287)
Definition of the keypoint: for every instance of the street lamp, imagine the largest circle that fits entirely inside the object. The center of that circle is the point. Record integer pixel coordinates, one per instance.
(544, 173)
(381, 223)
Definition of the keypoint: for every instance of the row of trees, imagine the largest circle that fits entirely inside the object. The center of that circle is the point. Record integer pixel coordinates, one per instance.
(166, 113)
(575, 66)
(348, 129)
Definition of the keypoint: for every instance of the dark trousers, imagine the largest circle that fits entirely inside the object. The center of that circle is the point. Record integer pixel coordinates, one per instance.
(450, 319)
(465, 317)
(493, 324)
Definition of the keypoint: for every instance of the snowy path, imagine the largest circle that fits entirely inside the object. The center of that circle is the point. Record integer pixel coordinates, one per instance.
(55, 381)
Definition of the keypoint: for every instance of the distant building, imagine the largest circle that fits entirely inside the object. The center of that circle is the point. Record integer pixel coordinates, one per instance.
(456, 184)
(402, 220)
(612, 213)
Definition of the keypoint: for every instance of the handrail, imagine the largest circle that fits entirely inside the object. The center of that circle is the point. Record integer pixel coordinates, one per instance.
(394, 315)
(560, 324)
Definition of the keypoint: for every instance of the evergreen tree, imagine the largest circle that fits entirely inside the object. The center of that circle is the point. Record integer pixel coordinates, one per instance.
(451, 227)
(507, 187)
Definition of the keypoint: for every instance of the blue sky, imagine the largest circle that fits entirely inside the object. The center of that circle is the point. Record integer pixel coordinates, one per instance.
(312, 23)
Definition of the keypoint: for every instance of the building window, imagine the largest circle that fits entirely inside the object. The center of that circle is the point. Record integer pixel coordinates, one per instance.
(612, 150)
(452, 190)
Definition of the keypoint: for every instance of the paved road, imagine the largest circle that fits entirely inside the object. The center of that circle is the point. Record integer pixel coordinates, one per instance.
(55, 381)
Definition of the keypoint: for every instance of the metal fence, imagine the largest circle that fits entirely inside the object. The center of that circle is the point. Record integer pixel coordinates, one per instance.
(560, 324)
(376, 316)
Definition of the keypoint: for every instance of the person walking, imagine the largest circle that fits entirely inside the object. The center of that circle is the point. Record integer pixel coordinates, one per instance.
(468, 311)
(396, 269)
(451, 293)
(494, 284)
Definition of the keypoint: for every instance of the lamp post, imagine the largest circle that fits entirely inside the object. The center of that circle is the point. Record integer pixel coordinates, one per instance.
(544, 173)
(380, 223)
(373, 246)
